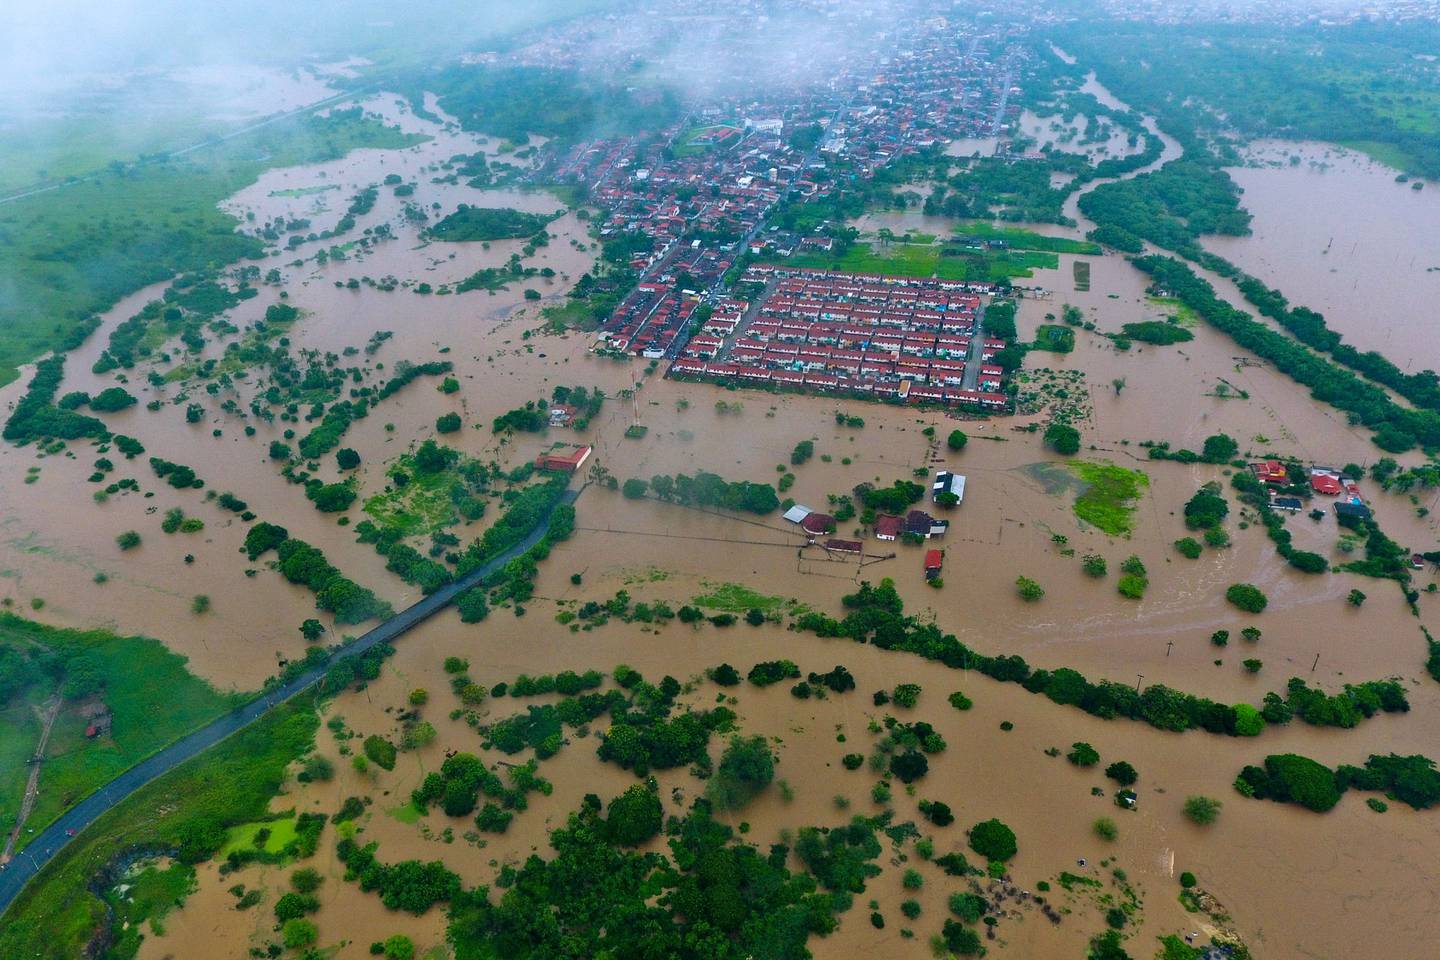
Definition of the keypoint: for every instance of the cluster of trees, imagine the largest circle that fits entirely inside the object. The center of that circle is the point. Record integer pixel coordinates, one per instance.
(1218, 448)
(895, 498)
(529, 507)
(533, 417)
(712, 490)
(1162, 333)
(36, 416)
(327, 434)
(1290, 778)
(177, 475)
(876, 616)
(487, 223)
(405, 372)
(409, 885)
(463, 777)
(1397, 428)
(1354, 703)
(1170, 207)
(301, 563)
(718, 897)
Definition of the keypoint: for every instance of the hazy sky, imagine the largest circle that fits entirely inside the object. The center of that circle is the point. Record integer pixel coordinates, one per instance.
(47, 43)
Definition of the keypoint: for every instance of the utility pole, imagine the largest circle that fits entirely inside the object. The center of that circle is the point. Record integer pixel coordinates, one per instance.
(1168, 645)
(1138, 678)
(1315, 664)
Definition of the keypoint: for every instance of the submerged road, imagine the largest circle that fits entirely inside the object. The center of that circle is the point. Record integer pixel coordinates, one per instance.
(53, 838)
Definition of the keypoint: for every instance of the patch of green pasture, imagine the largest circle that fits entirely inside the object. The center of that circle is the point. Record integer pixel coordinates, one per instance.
(1110, 496)
(242, 836)
(736, 598)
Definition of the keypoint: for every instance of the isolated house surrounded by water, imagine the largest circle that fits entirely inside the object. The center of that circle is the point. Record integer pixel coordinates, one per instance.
(566, 460)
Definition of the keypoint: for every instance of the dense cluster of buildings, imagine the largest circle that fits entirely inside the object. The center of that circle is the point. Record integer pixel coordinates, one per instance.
(883, 337)
(770, 121)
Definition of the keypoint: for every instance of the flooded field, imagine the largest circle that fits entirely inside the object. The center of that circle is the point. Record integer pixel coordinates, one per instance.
(1369, 882)
(1335, 232)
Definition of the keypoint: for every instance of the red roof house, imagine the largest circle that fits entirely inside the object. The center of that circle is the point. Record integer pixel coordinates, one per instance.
(565, 460)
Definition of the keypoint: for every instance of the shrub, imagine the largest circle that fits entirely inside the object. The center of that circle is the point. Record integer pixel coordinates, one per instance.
(1355, 598)
(911, 908)
(380, 751)
(347, 459)
(1220, 638)
(1132, 586)
(128, 540)
(725, 675)
(1105, 829)
(447, 423)
(1253, 665)
(634, 488)
(1093, 564)
(993, 840)
(1247, 597)
(1029, 590)
(1202, 810)
(906, 695)
(1188, 547)
(937, 813)
(959, 701)
(1082, 754)
(298, 933)
(909, 766)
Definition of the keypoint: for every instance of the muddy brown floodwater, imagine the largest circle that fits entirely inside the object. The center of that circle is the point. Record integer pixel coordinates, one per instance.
(1335, 232)
(1296, 884)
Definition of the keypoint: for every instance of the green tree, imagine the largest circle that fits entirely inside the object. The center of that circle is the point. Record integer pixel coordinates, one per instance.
(634, 488)
(1122, 773)
(993, 840)
(957, 440)
(745, 769)
(1247, 597)
(634, 816)
(1082, 754)
(1063, 439)
(447, 423)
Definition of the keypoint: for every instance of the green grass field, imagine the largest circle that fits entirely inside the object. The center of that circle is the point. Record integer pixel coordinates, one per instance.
(55, 916)
(1021, 239)
(71, 253)
(242, 836)
(152, 698)
(918, 260)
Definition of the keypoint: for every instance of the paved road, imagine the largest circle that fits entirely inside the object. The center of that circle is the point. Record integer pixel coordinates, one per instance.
(43, 848)
(973, 359)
